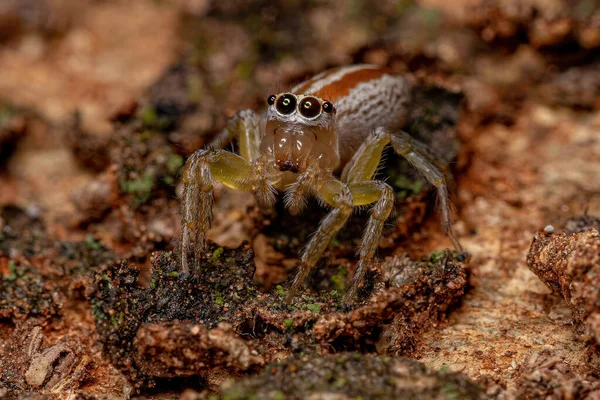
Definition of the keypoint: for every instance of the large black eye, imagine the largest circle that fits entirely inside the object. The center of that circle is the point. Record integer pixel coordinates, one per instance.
(328, 107)
(310, 107)
(271, 99)
(286, 104)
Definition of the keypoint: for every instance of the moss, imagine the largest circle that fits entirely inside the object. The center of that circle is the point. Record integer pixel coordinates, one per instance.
(403, 6)
(339, 383)
(432, 18)
(12, 271)
(195, 88)
(117, 320)
(406, 187)
(151, 120)
(279, 395)
(97, 308)
(141, 187)
(326, 376)
(148, 116)
(280, 290)
(289, 324)
(217, 253)
(245, 68)
(335, 296)
(146, 135)
(91, 243)
(451, 390)
(338, 280)
(585, 9)
(15, 272)
(6, 114)
(174, 164)
(314, 307)
(218, 298)
(436, 256)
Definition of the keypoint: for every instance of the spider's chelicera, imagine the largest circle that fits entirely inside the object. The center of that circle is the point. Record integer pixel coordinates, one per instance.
(325, 139)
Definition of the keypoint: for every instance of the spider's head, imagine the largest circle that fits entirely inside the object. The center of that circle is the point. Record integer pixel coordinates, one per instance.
(300, 131)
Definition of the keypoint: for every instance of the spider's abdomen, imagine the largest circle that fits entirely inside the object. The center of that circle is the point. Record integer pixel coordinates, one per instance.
(365, 97)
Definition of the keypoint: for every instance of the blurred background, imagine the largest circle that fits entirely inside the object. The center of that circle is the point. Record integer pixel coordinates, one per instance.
(101, 101)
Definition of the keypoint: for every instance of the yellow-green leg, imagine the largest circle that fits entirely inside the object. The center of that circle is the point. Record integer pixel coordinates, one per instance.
(415, 153)
(202, 169)
(364, 164)
(247, 172)
(382, 195)
(337, 194)
(358, 174)
(245, 127)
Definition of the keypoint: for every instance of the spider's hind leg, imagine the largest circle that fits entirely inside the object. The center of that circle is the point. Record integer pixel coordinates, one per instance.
(423, 161)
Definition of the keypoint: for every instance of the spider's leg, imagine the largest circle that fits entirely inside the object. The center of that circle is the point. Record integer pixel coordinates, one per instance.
(365, 161)
(358, 174)
(245, 127)
(337, 194)
(201, 170)
(417, 155)
(364, 193)
(363, 165)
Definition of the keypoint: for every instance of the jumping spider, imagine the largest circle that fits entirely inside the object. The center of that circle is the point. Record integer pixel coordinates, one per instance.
(309, 146)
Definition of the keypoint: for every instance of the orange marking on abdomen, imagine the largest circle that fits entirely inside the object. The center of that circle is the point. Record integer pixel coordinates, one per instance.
(302, 87)
(340, 87)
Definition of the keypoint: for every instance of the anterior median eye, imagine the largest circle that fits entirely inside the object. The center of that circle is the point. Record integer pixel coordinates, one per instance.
(310, 107)
(286, 103)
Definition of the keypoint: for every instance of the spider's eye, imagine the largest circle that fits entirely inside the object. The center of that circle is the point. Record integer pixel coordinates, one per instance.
(286, 104)
(310, 107)
(271, 99)
(328, 107)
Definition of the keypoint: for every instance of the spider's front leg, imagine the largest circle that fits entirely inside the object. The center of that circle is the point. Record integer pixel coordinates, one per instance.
(245, 127)
(247, 172)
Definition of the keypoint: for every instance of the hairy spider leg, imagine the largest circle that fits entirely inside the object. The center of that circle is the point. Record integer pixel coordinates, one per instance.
(245, 127)
(364, 193)
(358, 175)
(329, 190)
(245, 172)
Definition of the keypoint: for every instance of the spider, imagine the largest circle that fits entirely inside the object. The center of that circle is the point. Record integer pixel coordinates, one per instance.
(324, 138)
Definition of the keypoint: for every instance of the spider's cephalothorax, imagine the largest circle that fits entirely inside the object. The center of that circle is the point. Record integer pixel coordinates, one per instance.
(323, 138)
(300, 131)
